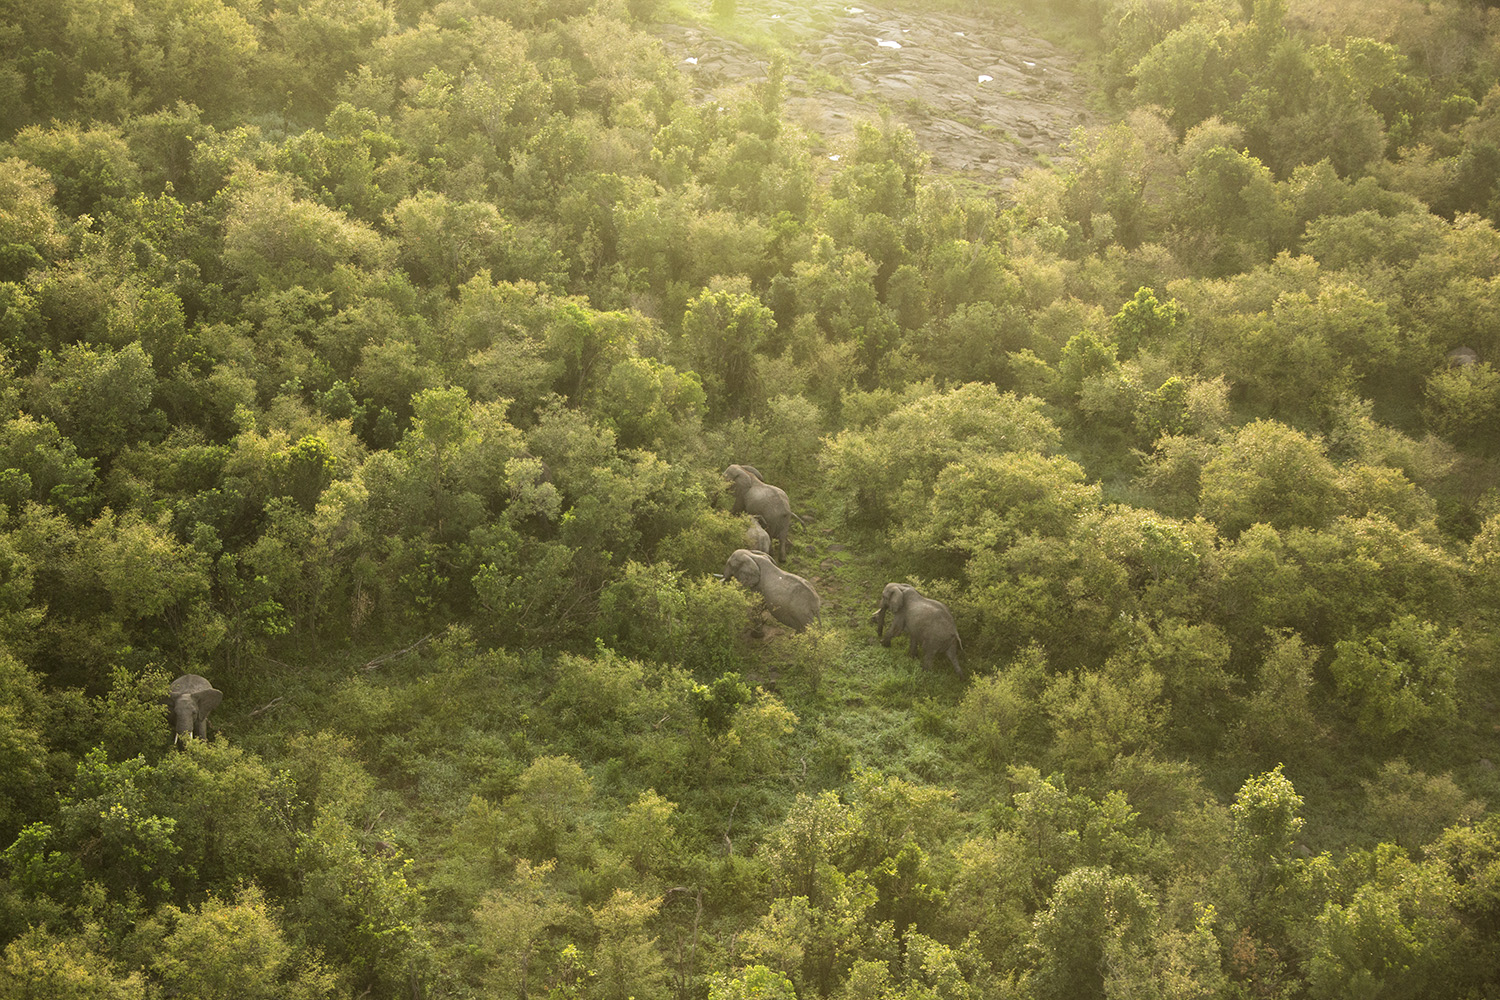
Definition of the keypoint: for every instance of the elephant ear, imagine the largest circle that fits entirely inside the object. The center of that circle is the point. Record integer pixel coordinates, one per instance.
(207, 700)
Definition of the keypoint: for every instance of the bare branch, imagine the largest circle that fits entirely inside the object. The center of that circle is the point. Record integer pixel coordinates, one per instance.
(267, 706)
(387, 657)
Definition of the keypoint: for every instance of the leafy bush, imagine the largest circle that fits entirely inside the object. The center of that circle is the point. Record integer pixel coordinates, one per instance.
(1401, 678)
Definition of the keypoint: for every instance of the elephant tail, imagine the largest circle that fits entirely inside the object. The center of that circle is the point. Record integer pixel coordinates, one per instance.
(799, 520)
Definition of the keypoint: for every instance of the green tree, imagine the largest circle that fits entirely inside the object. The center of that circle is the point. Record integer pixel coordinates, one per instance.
(807, 847)
(226, 949)
(1091, 939)
(652, 404)
(754, 983)
(23, 746)
(893, 466)
(91, 167)
(276, 240)
(1394, 934)
(362, 910)
(1266, 821)
(41, 963)
(32, 230)
(1282, 718)
(514, 921)
(99, 399)
(1269, 473)
(548, 806)
(1463, 405)
(1401, 678)
(721, 332)
(1144, 321)
(626, 958)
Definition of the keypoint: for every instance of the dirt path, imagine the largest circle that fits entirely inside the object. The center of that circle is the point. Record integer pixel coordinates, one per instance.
(985, 97)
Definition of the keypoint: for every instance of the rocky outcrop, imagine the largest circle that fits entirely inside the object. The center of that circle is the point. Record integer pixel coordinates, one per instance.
(982, 95)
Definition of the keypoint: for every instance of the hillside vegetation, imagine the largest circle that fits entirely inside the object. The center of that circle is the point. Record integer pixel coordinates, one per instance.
(381, 362)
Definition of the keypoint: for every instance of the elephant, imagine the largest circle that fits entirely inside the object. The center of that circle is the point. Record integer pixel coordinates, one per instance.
(756, 537)
(790, 599)
(1462, 357)
(769, 503)
(191, 699)
(927, 624)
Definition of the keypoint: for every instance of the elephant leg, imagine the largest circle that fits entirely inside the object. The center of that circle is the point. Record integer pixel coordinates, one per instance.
(896, 629)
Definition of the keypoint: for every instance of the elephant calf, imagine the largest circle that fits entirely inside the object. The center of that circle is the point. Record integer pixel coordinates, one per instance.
(757, 539)
(790, 599)
(927, 624)
(191, 699)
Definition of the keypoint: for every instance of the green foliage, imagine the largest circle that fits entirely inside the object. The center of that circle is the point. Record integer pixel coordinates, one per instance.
(889, 469)
(652, 404)
(361, 911)
(22, 745)
(1400, 678)
(721, 332)
(627, 960)
(1395, 930)
(654, 613)
(1281, 717)
(1091, 935)
(1463, 404)
(1269, 474)
(423, 332)
(235, 949)
(755, 983)
(1145, 322)
(513, 924)
(64, 966)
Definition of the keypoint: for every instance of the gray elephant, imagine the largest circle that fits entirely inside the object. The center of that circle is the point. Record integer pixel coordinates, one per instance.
(790, 599)
(769, 503)
(757, 539)
(191, 699)
(927, 624)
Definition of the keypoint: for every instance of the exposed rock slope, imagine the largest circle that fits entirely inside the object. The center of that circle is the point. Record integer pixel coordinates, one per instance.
(985, 97)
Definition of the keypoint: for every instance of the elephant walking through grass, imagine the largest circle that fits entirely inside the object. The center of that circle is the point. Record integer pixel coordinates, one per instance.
(790, 599)
(927, 624)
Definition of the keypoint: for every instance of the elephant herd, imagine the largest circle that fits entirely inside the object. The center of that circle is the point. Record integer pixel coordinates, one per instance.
(927, 624)
(791, 599)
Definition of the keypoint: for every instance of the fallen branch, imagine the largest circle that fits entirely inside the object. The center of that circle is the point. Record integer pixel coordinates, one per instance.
(266, 707)
(388, 657)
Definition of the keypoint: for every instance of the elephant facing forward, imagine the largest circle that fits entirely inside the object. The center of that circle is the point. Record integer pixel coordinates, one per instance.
(790, 599)
(762, 500)
(191, 699)
(927, 624)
